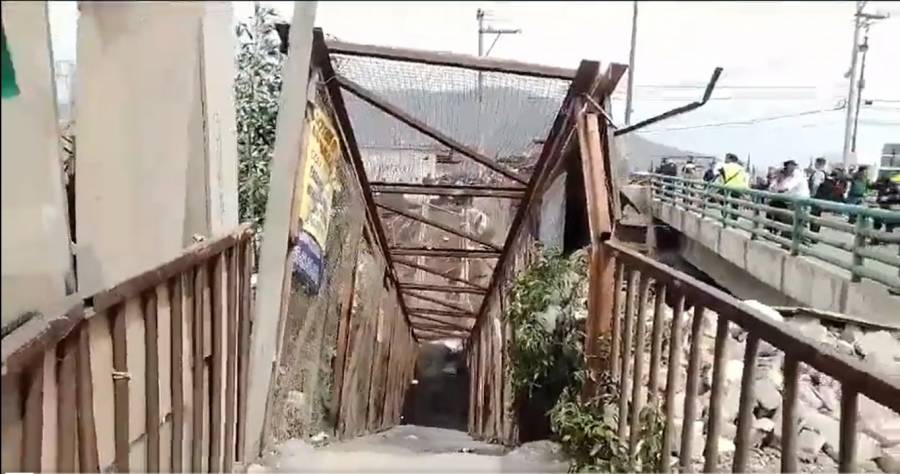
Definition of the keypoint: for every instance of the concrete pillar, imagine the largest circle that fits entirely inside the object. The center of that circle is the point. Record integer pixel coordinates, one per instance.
(218, 74)
(35, 238)
(155, 127)
(289, 144)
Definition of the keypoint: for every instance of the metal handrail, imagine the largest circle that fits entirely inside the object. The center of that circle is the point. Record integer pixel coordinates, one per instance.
(732, 206)
(635, 275)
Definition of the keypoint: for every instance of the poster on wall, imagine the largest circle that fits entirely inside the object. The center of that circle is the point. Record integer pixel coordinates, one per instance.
(318, 176)
(313, 202)
(308, 264)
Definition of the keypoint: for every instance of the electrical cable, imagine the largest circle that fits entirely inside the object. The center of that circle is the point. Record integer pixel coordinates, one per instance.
(746, 122)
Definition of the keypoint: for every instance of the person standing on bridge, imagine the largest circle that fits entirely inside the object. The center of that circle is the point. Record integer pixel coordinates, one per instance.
(816, 180)
(734, 177)
(859, 188)
(793, 183)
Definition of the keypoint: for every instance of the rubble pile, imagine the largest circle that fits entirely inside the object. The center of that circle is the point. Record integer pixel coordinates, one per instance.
(878, 437)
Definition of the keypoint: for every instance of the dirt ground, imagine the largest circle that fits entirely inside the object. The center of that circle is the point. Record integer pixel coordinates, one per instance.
(411, 448)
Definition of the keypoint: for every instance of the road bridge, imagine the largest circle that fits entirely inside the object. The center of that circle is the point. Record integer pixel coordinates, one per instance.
(769, 253)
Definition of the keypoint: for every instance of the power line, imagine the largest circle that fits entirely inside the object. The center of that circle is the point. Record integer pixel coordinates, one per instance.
(747, 122)
(703, 86)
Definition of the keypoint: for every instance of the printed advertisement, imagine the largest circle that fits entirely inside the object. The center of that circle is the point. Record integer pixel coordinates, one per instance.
(317, 181)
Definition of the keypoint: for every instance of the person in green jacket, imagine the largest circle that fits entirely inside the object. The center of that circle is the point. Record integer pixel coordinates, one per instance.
(859, 187)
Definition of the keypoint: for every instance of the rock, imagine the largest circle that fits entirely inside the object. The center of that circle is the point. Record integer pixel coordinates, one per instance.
(828, 427)
(765, 309)
(764, 424)
(697, 438)
(890, 459)
(731, 401)
(845, 347)
(542, 451)
(874, 417)
(867, 447)
(293, 455)
(867, 450)
(768, 394)
(734, 369)
(830, 400)
(678, 408)
(851, 333)
(256, 469)
(728, 430)
(809, 443)
(807, 395)
(809, 327)
(881, 342)
(726, 446)
(888, 433)
(319, 439)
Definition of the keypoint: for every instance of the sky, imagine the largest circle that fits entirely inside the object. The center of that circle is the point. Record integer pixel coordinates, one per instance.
(779, 59)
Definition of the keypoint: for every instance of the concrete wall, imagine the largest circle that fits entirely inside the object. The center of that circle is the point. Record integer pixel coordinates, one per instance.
(802, 279)
(553, 213)
(35, 238)
(155, 125)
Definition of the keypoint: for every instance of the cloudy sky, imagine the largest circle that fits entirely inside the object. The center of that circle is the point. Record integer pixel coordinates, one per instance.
(780, 59)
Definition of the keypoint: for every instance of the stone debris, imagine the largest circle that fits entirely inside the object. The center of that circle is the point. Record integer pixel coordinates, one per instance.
(818, 407)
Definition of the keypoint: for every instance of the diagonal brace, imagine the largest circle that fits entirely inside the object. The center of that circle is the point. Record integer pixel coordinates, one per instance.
(433, 320)
(432, 271)
(438, 225)
(398, 113)
(442, 312)
(436, 301)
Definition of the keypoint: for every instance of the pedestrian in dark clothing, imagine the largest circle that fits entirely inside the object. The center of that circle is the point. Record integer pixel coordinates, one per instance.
(888, 198)
(859, 186)
(831, 189)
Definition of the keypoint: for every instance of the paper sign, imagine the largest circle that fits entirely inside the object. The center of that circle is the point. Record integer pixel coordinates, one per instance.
(317, 178)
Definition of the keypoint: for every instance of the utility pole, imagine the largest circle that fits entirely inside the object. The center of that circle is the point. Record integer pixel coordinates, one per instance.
(861, 84)
(861, 20)
(479, 15)
(630, 91)
(851, 102)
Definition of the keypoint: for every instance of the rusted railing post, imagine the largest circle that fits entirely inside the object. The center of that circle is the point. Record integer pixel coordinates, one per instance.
(625, 374)
(713, 424)
(674, 365)
(640, 328)
(789, 418)
(692, 386)
(617, 320)
(859, 241)
(656, 343)
(849, 407)
(747, 403)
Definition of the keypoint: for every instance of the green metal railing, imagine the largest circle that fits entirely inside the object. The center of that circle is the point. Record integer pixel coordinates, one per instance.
(790, 222)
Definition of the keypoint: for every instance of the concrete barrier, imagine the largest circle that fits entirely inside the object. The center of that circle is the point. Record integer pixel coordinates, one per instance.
(803, 279)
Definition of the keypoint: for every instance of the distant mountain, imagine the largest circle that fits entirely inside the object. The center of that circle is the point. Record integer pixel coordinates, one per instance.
(641, 154)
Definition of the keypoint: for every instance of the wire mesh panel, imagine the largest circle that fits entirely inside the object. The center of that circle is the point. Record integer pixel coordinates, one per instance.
(503, 116)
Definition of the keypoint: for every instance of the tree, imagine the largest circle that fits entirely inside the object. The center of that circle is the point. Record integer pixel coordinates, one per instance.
(257, 88)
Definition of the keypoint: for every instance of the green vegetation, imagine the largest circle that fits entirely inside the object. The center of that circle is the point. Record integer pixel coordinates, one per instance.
(546, 310)
(256, 91)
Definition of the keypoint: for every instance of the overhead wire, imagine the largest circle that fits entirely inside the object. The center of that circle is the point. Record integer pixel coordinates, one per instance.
(746, 122)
